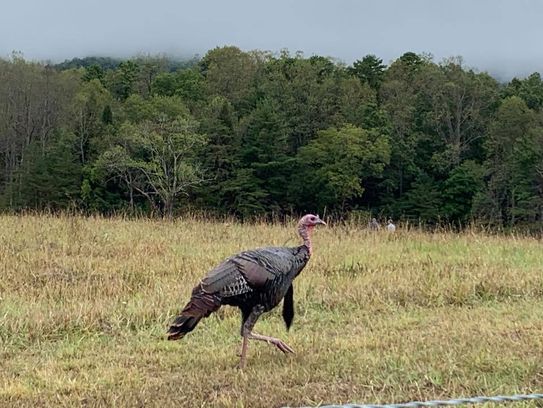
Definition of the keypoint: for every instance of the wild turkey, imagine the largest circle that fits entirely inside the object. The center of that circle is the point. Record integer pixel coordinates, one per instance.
(255, 281)
(390, 226)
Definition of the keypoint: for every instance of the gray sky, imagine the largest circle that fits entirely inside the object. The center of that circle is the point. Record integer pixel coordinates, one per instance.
(504, 37)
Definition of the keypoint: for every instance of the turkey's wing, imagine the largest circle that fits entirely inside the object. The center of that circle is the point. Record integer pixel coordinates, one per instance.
(236, 276)
(257, 275)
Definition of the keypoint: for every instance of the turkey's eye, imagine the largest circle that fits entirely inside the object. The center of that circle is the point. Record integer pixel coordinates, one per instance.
(312, 218)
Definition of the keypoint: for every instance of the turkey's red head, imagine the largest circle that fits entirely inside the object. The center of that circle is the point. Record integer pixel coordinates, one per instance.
(305, 227)
(310, 220)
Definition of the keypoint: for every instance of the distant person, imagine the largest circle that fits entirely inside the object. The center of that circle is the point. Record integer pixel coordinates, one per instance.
(390, 226)
(374, 225)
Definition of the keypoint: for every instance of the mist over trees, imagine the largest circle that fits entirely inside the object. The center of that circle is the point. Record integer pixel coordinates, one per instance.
(258, 134)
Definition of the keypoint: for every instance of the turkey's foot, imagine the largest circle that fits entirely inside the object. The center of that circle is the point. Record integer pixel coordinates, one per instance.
(280, 344)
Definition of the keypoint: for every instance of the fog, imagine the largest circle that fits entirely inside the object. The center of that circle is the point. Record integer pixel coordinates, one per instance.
(499, 36)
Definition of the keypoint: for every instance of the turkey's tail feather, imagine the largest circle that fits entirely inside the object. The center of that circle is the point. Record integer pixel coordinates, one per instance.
(181, 326)
(201, 305)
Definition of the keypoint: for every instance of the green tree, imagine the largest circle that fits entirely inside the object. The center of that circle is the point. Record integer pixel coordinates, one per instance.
(335, 164)
(221, 155)
(158, 156)
(459, 107)
(423, 201)
(94, 72)
(369, 70)
(399, 104)
(35, 102)
(460, 189)
(187, 83)
(245, 193)
(528, 178)
(136, 109)
(264, 150)
(148, 68)
(230, 72)
(529, 89)
(309, 93)
(358, 105)
(89, 106)
(411, 146)
(122, 81)
(165, 84)
(511, 159)
(51, 178)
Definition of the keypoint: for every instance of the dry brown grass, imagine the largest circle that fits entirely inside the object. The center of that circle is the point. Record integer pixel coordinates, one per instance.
(84, 304)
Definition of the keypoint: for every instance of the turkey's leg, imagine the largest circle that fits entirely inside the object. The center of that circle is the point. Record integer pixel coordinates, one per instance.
(247, 333)
(246, 328)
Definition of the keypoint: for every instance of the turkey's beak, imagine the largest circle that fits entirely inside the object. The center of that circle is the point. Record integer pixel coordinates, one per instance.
(319, 221)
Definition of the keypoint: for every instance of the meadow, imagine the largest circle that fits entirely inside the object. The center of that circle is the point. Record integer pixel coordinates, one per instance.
(380, 318)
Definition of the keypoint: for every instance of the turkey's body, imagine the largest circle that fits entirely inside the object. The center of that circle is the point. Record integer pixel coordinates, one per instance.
(282, 265)
(258, 279)
(255, 281)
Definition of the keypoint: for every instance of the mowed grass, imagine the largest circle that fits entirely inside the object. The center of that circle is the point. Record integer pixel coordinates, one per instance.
(85, 302)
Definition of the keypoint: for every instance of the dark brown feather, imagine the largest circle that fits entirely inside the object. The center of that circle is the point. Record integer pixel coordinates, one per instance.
(200, 305)
(255, 274)
(219, 277)
(288, 307)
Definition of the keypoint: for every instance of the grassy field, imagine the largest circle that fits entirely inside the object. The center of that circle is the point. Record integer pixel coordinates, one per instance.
(85, 302)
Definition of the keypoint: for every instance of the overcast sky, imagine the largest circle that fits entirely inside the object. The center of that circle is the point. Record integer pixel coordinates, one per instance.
(504, 37)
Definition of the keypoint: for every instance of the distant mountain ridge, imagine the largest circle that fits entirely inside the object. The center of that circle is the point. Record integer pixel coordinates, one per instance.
(106, 63)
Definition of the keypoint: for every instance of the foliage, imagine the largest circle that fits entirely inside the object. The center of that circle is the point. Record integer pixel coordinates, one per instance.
(514, 158)
(463, 185)
(369, 70)
(188, 84)
(334, 165)
(155, 153)
(49, 178)
(419, 140)
(103, 63)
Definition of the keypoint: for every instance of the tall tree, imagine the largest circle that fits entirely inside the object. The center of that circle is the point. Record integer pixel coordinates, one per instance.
(509, 136)
(51, 178)
(158, 156)
(122, 81)
(369, 70)
(334, 166)
(187, 83)
(460, 103)
(230, 72)
(264, 151)
(88, 109)
(34, 102)
(221, 155)
(149, 67)
(459, 191)
(410, 147)
(529, 89)
(92, 72)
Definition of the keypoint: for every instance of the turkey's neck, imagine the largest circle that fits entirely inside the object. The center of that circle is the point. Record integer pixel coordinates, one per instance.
(305, 233)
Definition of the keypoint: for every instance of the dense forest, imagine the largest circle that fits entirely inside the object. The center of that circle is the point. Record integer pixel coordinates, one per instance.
(260, 134)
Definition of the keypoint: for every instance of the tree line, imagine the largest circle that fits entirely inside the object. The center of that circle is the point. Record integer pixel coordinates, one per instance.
(258, 134)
